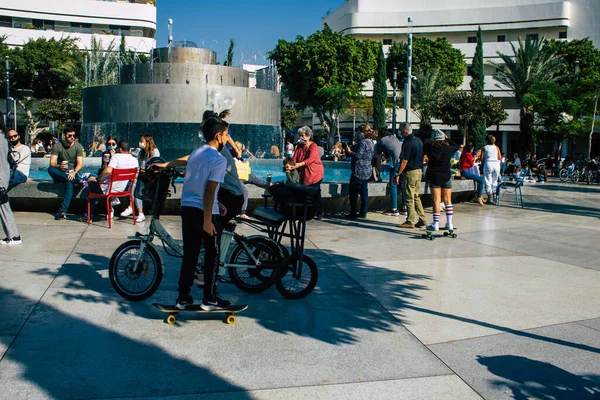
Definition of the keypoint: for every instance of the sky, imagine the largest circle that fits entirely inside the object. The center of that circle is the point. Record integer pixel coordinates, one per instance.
(255, 26)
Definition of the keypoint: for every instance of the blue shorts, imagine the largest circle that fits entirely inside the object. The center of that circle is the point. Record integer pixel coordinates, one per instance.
(445, 185)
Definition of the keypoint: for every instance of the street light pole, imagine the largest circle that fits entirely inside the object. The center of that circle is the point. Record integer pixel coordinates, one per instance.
(407, 88)
(394, 85)
(7, 89)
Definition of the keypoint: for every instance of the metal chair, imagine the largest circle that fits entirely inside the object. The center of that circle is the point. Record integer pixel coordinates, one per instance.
(117, 175)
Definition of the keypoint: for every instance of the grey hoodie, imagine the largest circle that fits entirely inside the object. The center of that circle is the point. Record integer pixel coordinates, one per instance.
(4, 166)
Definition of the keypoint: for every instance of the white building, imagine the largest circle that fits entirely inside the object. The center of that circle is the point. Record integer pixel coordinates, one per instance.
(80, 19)
(501, 21)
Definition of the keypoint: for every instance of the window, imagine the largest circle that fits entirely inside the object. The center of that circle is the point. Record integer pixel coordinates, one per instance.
(472, 39)
(118, 30)
(5, 22)
(502, 38)
(387, 42)
(81, 28)
(49, 25)
(562, 35)
(532, 36)
(38, 23)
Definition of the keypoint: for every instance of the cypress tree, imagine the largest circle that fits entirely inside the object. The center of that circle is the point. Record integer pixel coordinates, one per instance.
(380, 92)
(478, 129)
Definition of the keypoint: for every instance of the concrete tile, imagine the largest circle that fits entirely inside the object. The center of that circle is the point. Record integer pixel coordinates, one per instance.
(557, 362)
(21, 287)
(5, 341)
(442, 300)
(591, 323)
(434, 387)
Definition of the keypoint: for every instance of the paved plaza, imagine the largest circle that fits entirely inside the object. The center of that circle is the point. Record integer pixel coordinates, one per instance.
(508, 310)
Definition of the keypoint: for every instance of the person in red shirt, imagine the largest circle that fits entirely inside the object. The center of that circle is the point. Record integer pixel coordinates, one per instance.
(466, 164)
(308, 163)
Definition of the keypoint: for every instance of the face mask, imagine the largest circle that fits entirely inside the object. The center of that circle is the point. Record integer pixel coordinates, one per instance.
(142, 145)
(111, 148)
(14, 141)
(302, 140)
(360, 136)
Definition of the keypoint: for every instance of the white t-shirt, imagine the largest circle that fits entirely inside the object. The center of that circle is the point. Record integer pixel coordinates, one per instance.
(22, 156)
(120, 161)
(204, 164)
(289, 148)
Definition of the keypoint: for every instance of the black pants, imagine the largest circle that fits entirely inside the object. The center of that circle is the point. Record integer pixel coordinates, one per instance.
(359, 187)
(319, 209)
(232, 202)
(194, 237)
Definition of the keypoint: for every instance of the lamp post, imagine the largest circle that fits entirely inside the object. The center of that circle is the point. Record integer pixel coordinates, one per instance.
(7, 89)
(394, 79)
(407, 88)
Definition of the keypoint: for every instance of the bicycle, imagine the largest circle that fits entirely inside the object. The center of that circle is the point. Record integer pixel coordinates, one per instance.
(253, 265)
(569, 172)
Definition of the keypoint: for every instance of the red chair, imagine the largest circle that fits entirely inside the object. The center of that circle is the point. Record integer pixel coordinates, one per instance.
(117, 175)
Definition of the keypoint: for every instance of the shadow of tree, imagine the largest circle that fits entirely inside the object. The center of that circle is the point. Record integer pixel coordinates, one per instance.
(335, 312)
(527, 379)
(66, 357)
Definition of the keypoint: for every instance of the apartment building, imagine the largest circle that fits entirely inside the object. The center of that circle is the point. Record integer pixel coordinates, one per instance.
(80, 19)
(502, 22)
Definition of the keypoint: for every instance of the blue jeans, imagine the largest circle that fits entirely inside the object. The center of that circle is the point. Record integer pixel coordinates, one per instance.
(17, 177)
(478, 178)
(359, 187)
(60, 176)
(394, 188)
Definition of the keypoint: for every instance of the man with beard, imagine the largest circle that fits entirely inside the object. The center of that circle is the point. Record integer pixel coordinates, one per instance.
(21, 160)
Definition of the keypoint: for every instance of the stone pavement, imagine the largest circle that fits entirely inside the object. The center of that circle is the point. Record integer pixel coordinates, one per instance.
(509, 309)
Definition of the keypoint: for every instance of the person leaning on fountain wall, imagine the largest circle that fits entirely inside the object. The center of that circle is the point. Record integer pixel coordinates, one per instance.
(7, 218)
(66, 161)
(20, 160)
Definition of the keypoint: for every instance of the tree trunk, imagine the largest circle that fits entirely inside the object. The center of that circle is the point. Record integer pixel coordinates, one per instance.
(526, 130)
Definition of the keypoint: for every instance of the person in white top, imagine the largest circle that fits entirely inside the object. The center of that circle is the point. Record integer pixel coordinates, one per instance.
(120, 160)
(205, 171)
(491, 167)
(21, 156)
(289, 149)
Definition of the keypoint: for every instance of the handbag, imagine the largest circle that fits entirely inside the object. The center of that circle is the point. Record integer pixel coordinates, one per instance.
(3, 195)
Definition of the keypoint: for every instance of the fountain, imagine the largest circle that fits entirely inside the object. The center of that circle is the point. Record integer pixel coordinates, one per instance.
(167, 97)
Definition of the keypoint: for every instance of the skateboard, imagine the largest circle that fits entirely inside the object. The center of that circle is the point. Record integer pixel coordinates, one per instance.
(173, 311)
(447, 233)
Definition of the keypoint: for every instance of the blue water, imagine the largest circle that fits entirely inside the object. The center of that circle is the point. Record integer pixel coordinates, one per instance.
(332, 174)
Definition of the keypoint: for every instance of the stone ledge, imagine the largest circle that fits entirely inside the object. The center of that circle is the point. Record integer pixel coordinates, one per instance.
(46, 196)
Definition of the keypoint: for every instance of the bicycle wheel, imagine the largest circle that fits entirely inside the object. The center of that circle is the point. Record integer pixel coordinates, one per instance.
(574, 176)
(254, 280)
(132, 280)
(563, 175)
(294, 285)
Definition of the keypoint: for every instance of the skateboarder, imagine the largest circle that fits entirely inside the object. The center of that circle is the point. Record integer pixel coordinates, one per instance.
(439, 151)
(205, 170)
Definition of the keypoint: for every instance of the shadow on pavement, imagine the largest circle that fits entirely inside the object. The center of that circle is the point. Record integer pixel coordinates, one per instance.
(67, 357)
(335, 312)
(532, 379)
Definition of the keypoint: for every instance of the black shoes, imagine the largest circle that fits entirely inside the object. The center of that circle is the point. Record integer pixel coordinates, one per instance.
(215, 304)
(183, 302)
(61, 215)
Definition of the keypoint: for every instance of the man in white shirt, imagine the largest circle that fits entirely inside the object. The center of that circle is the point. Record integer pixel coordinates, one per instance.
(120, 160)
(206, 168)
(21, 156)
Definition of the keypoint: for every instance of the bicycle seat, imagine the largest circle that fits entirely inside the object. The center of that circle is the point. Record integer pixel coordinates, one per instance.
(268, 214)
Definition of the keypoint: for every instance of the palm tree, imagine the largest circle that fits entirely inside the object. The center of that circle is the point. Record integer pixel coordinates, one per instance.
(531, 63)
(426, 91)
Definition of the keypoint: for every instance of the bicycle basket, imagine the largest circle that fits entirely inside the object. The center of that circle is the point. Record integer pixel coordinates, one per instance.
(286, 194)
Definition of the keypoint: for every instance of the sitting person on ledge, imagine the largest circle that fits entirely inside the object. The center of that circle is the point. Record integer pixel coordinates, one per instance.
(469, 170)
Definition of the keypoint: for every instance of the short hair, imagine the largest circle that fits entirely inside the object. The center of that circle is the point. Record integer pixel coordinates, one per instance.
(405, 126)
(288, 161)
(490, 139)
(68, 129)
(305, 130)
(124, 146)
(470, 146)
(212, 114)
(212, 126)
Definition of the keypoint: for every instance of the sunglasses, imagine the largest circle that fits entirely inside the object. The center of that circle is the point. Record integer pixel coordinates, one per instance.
(13, 136)
(112, 144)
(71, 135)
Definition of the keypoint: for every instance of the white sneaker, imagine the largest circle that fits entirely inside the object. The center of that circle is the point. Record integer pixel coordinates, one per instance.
(432, 227)
(140, 218)
(442, 207)
(128, 212)
(112, 213)
(115, 201)
(449, 227)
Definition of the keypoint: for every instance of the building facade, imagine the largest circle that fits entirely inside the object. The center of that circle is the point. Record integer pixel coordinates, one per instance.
(502, 22)
(80, 19)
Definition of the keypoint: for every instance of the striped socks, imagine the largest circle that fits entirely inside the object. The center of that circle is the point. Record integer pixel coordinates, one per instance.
(449, 210)
(436, 220)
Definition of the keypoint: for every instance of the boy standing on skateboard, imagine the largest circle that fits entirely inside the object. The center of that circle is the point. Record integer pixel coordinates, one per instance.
(199, 215)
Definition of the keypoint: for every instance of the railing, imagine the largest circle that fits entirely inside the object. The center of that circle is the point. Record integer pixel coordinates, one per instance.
(151, 2)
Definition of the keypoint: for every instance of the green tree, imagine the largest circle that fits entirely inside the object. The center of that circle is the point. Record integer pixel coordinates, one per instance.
(229, 57)
(317, 70)
(289, 118)
(61, 110)
(462, 109)
(380, 92)
(426, 90)
(428, 55)
(530, 64)
(477, 131)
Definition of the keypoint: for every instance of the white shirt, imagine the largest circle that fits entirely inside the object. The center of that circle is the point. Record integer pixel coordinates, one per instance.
(121, 161)
(22, 156)
(204, 164)
(289, 148)
(491, 153)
